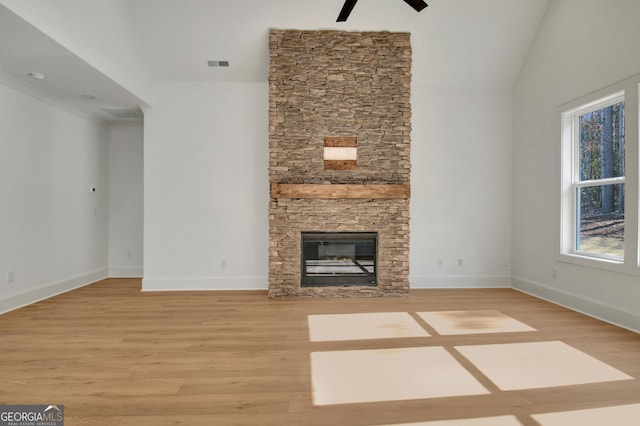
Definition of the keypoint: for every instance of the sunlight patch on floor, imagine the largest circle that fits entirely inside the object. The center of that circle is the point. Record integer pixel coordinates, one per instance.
(379, 325)
(484, 421)
(347, 377)
(376, 375)
(538, 365)
(473, 322)
(623, 415)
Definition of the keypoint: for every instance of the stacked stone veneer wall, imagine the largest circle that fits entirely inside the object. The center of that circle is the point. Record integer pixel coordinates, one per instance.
(335, 83)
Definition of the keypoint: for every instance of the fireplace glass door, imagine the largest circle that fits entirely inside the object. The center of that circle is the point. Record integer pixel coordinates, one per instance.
(339, 258)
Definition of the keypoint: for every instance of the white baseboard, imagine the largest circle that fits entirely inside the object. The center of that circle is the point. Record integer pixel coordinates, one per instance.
(459, 281)
(606, 312)
(261, 283)
(125, 272)
(204, 283)
(31, 296)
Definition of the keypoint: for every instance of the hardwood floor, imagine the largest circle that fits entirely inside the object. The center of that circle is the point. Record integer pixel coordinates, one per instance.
(113, 355)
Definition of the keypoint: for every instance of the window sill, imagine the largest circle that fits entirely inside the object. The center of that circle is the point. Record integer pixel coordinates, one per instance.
(606, 264)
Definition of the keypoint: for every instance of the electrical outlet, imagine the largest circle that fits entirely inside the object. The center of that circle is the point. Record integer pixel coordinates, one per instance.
(460, 262)
(554, 273)
(129, 255)
(440, 262)
(11, 277)
(224, 264)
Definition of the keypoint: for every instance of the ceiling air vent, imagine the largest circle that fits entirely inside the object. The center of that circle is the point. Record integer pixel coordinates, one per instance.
(218, 64)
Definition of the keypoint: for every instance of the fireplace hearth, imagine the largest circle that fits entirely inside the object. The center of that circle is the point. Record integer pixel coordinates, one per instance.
(338, 259)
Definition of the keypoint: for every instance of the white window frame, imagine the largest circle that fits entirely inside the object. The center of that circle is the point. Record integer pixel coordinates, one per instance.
(627, 91)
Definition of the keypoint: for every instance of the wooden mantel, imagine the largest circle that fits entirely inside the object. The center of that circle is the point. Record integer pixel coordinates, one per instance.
(335, 191)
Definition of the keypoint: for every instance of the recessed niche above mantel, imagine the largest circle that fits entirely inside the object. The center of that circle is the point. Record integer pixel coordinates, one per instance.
(340, 153)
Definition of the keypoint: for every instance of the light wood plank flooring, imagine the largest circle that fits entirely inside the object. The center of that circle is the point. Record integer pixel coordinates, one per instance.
(113, 355)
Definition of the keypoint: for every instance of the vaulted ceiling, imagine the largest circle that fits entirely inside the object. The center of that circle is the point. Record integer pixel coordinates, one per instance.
(465, 43)
(455, 42)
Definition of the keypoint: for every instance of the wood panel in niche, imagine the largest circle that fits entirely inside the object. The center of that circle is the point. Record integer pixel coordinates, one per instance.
(340, 153)
(339, 141)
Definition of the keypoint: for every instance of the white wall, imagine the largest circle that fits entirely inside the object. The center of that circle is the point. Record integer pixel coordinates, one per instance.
(53, 227)
(582, 46)
(125, 199)
(206, 187)
(460, 187)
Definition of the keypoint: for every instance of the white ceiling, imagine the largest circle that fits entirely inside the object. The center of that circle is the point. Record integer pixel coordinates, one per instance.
(464, 43)
(455, 42)
(23, 50)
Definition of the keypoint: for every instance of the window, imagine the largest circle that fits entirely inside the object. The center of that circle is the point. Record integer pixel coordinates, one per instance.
(600, 180)
(598, 183)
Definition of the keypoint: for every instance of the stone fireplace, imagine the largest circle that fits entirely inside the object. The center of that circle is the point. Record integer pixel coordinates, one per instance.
(339, 166)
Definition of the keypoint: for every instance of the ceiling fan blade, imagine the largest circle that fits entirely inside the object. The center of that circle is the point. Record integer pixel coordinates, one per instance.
(418, 5)
(346, 10)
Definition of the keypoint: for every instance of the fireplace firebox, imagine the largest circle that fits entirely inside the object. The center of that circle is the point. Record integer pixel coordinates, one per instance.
(339, 259)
